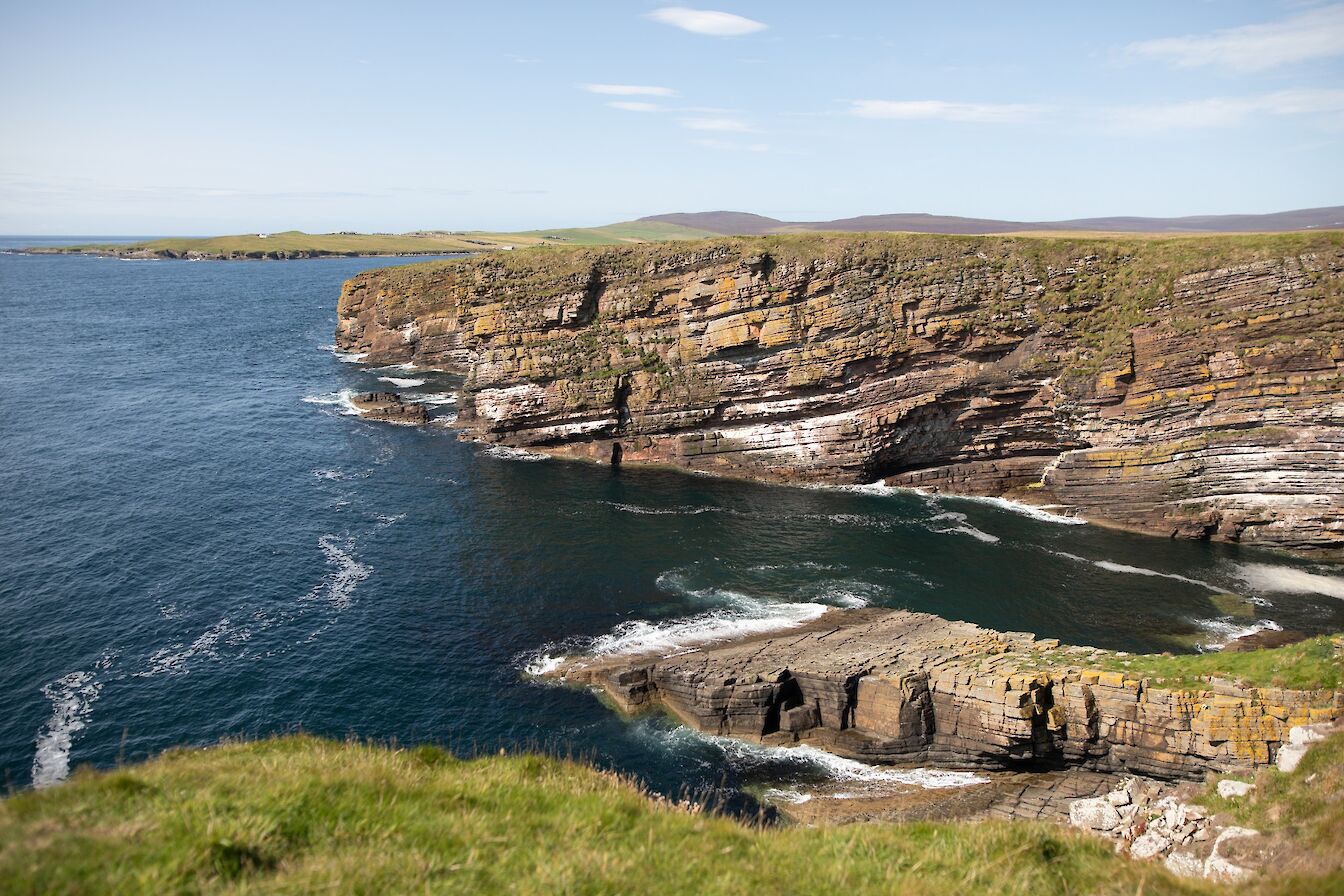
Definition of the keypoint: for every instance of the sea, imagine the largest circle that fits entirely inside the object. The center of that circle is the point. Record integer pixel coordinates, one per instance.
(200, 540)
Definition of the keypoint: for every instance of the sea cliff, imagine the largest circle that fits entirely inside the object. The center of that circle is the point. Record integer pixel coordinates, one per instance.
(1188, 387)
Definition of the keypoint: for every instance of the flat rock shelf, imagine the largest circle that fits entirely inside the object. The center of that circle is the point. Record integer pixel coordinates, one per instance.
(893, 686)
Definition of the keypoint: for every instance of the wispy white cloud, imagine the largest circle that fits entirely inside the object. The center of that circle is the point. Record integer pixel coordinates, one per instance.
(628, 90)
(942, 110)
(627, 106)
(706, 21)
(1220, 112)
(1315, 34)
(734, 125)
(731, 145)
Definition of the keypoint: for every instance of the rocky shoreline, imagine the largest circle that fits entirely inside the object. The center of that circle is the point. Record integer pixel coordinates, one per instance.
(390, 407)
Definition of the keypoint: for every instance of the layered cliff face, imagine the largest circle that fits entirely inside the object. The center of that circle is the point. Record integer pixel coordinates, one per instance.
(1191, 387)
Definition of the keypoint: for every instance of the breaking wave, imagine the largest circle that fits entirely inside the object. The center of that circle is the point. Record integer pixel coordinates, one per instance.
(747, 757)
(1225, 631)
(1286, 579)
(508, 452)
(71, 699)
(401, 382)
(340, 400)
(435, 398)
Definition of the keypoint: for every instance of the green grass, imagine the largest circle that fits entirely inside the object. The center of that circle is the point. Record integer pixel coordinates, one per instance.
(1317, 663)
(1302, 812)
(302, 815)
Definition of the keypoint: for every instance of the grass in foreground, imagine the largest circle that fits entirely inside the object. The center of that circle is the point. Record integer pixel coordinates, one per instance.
(299, 814)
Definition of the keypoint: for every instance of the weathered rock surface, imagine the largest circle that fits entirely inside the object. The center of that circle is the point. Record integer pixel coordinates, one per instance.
(1189, 387)
(901, 687)
(389, 407)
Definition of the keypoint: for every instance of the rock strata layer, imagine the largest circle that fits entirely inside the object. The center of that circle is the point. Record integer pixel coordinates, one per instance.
(1189, 387)
(894, 686)
(389, 407)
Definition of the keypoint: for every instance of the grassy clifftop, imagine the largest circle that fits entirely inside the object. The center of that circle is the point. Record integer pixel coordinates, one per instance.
(298, 814)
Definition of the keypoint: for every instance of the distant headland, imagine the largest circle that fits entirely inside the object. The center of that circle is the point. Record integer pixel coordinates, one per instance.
(292, 244)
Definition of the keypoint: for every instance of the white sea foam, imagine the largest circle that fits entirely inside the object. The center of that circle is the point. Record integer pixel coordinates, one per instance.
(1287, 579)
(962, 527)
(510, 453)
(777, 795)
(542, 663)
(408, 366)
(337, 587)
(872, 488)
(349, 357)
(735, 615)
(71, 699)
(1226, 630)
(174, 660)
(401, 382)
(640, 636)
(1037, 513)
(436, 398)
(663, 511)
(747, 756)
(341, 400)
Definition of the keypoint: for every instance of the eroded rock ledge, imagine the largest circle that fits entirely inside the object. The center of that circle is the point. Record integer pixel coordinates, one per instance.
(1188, 387)
(895, 686)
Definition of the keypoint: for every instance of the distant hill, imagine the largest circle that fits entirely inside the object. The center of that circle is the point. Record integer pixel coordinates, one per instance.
(746, 224)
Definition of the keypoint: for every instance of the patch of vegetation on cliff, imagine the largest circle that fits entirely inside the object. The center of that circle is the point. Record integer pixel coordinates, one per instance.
(1314, 664)
(1302, 812)
(299, 814)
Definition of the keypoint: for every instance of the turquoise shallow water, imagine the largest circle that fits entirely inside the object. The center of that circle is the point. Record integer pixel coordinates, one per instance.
(197, 542)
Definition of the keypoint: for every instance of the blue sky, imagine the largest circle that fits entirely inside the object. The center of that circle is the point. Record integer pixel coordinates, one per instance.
(189, 118)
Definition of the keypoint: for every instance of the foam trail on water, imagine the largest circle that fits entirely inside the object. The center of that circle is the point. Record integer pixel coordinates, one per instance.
(408, 366)
(1112, 566)
(963, 527)
(173, 660)
(401, 382)
(71, 699)
(1286, 579)
(1031, 510)
(338, 587)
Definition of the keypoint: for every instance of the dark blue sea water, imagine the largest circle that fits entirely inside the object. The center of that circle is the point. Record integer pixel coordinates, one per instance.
(197, 542)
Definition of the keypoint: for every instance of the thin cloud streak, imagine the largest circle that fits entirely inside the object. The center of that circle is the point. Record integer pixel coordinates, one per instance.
(628, 90)
(942, 110)
(1222, 112)
(717, 124)
(706, 21)
(731, 145)
(1315, 34)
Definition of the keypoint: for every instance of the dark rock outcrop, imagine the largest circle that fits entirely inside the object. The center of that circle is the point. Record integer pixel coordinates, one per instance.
(1188, 387)
(389, 407)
